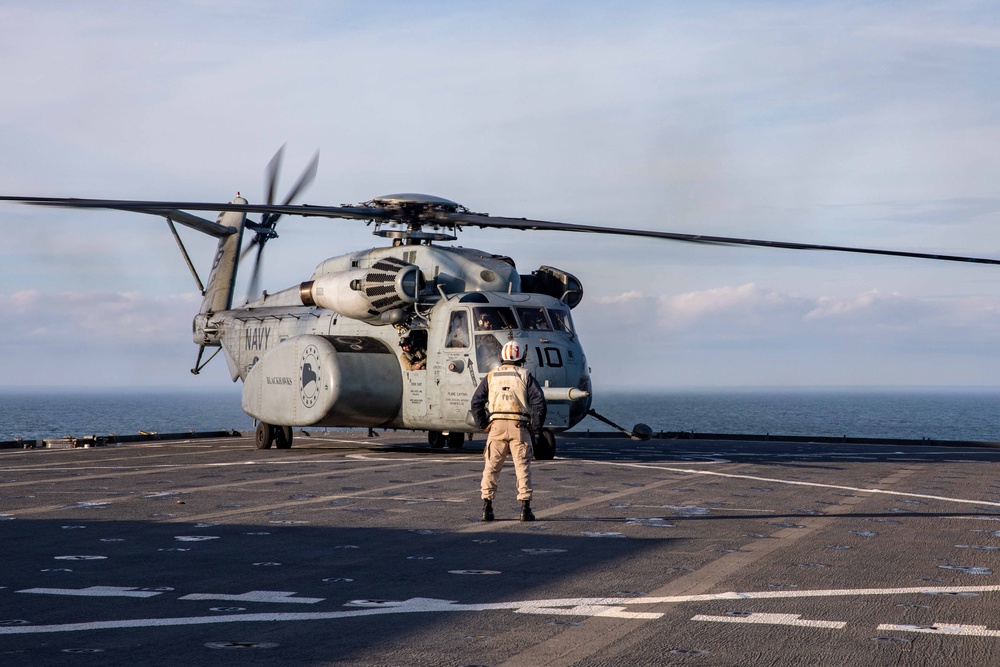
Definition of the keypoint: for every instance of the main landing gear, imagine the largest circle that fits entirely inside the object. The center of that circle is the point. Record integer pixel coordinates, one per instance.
(439, 440)
(270, 434)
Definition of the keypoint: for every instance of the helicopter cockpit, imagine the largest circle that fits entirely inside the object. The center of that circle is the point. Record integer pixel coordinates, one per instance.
(479, 325)
(466, 334)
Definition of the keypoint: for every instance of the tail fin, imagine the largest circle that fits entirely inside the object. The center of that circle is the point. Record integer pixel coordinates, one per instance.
(222, 279)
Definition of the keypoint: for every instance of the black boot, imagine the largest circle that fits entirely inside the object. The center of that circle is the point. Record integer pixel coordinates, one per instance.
(487, 509)
(526, 514)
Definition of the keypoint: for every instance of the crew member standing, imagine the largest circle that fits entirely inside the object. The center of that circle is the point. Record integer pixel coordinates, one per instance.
(507, 403)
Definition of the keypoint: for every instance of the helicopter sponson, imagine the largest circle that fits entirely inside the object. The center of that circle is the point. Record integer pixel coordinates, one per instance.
(311, 380)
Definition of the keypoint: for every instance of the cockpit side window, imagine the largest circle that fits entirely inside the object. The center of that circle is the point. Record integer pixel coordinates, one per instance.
(493, 318)
(458, 330)
(561, 320)
(533, 319)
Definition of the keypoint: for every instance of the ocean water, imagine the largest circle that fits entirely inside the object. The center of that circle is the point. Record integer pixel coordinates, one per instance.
(935, 413)
(940, 414)
(34, 414)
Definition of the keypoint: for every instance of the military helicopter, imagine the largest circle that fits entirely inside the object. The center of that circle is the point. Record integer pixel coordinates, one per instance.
(329, 352)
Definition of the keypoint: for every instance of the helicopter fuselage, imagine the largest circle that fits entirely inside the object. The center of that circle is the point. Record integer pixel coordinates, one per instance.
(305, 364)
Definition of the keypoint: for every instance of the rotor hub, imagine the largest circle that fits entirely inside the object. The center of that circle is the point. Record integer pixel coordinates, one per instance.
(415, 216)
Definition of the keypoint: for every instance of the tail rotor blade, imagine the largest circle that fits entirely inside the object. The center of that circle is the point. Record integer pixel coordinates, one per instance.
(265, 229)
(305, 179)
(254, 285)
(246, 251)
(271, 174)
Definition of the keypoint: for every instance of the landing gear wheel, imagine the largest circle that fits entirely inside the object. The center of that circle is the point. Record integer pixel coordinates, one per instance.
(545, 445)
(264, 435)
(436, 439)
(283, 437)
(456, 440)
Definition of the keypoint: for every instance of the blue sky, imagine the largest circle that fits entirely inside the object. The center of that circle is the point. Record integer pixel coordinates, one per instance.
(868, 124)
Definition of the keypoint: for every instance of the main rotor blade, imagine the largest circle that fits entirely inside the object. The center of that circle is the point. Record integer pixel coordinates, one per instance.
(156, 207)
(194, 222)
(474, 220)
(470, 220)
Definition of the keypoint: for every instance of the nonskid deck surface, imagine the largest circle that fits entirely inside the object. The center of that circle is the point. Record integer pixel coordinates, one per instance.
(349, 550)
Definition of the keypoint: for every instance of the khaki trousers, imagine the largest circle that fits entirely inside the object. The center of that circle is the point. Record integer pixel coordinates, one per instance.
(507, 436)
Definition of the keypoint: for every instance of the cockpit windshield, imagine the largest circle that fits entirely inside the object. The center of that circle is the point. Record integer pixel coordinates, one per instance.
(561, 320)
(533, 319)
(494, 318)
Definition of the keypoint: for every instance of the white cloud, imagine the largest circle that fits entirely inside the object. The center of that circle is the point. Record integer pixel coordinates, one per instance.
(88, 318)
(830, 308)
(720, 300)
(731, 313)
(750, 312)
(629, 297)
(747, 335)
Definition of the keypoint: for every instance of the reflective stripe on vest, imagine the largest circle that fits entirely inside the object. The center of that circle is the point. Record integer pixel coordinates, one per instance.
(508, 393)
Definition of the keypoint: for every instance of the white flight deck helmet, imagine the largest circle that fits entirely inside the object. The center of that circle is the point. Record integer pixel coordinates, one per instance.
(513, 352)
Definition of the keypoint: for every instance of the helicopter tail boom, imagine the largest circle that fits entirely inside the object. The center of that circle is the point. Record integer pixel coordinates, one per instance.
(219, 291)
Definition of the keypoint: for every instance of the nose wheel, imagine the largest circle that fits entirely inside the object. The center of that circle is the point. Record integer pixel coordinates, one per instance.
(545, 445)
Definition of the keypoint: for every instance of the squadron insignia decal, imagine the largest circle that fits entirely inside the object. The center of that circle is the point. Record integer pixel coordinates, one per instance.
(309, 388)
